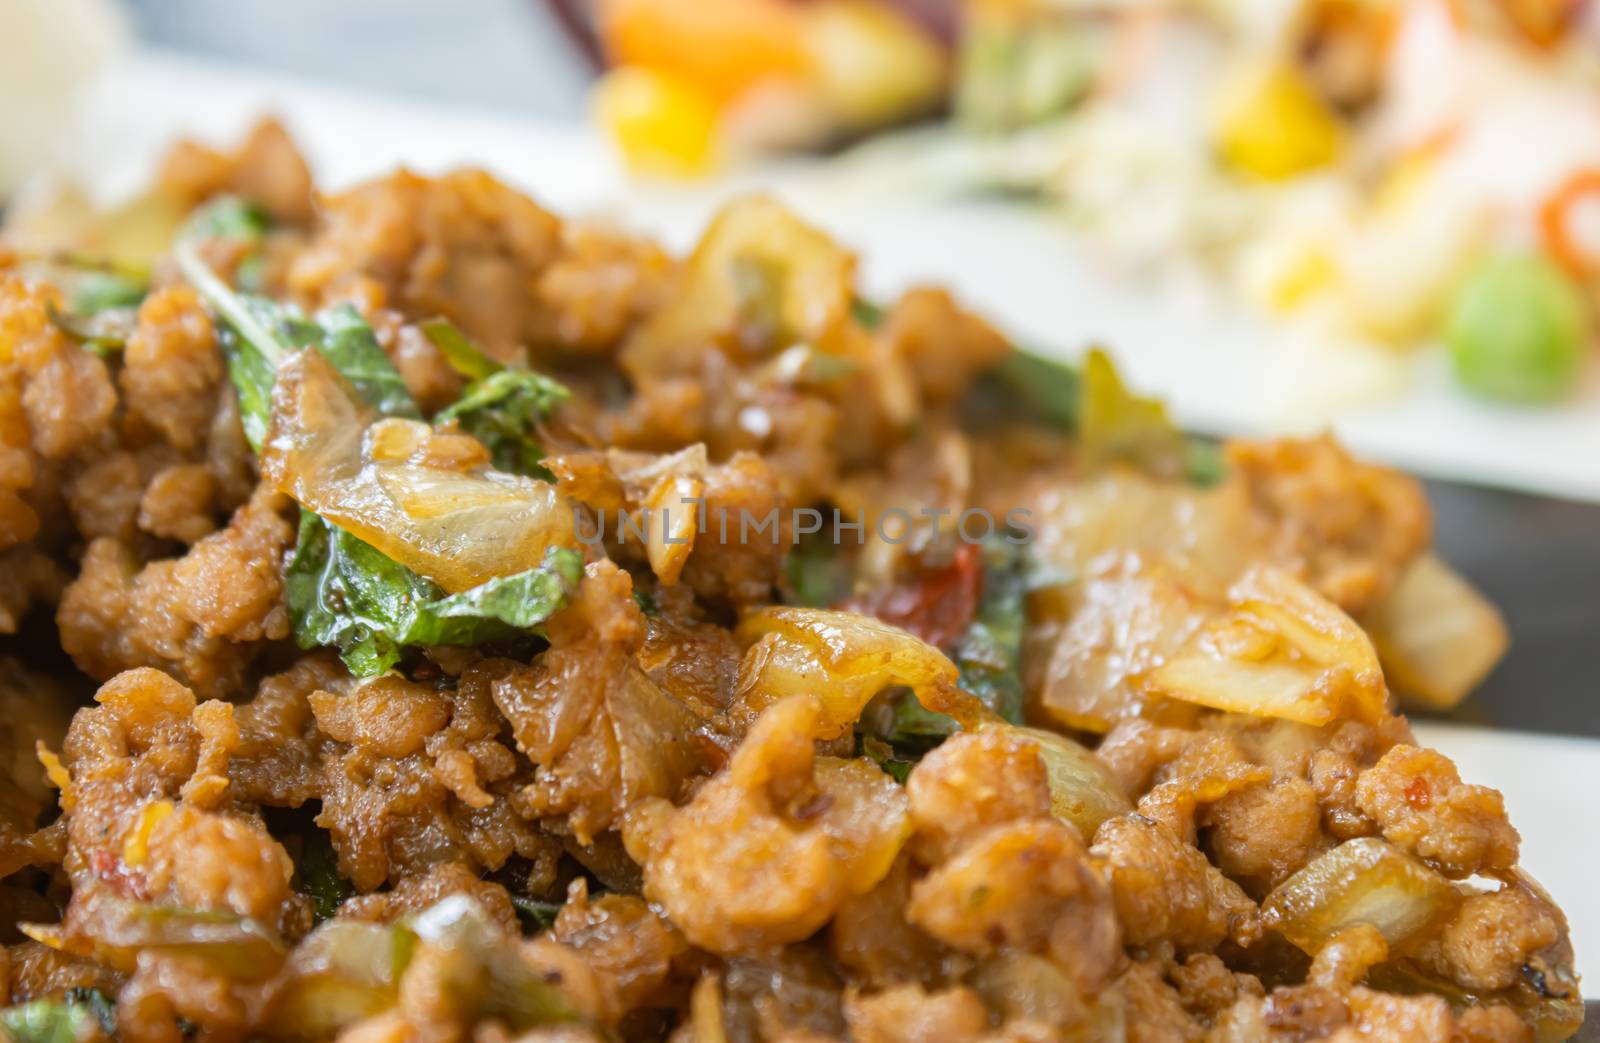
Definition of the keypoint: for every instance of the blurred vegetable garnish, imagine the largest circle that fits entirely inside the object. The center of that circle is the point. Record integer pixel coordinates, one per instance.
(695, 82)
(1517, 330)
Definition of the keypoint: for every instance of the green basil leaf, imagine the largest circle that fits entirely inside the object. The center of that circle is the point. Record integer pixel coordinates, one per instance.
(522, 601)
(319, 875)
(98, 291)
(866, 313)
(104, 332)
(886, 757)
(229, 217)
(347, 341)
(503, 411)
(249, 331)
(1046, 388)
(102, 1006)
(258, 333)
(346, 594)
(459, 350)
(59, 1020)
(990, 652)
(818, 572)
(533, 914)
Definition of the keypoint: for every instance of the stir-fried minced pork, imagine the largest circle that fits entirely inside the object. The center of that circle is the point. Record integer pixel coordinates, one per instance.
(625, 647)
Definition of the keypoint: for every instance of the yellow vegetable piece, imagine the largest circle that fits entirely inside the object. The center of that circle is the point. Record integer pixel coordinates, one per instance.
(663, 125)
(1405, 181)
(872, 63)
(1271, 124)
(722, 47)
(1309, 274)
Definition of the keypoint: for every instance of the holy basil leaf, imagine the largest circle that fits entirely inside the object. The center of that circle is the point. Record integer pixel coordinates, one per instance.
(319, 875)
(105, 332)
(1204, 462)
(886, 757)
(818, 571)
(503, 411)
(102, 309)
(240, 220)
(63, 1020)
(258, 333)
(349, 595)
(1093, 402)
(522, 601)
(866, 313)
(229, 217)
(249, 331)
(98, 291)
(347, 341)
(1045, 388)
(533, 914)
(102, 1006)
(990, 652)
(459, 350)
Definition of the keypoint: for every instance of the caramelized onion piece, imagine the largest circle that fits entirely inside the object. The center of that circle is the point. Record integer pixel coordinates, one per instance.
(844, 659)
(342, 972)
(759, 277)
(1362, 881)
(1083, 792)
(482, 970)
(1437, 637)
(448, 517)
(113, 930)
(1281, 650)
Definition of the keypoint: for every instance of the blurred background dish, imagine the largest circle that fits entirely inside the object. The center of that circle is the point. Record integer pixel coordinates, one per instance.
(1380, 175)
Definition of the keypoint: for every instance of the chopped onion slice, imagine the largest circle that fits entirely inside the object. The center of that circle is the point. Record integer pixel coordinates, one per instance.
(1437, 637)
(119, 929)
(761, 277)
(483, 970)
(844, 659)
(1362, 881)
(457, 526)
(1280, 650)
(1083, 791)
(342, 972)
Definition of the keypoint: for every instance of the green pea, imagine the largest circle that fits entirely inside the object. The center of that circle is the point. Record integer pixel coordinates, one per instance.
(1517, 329)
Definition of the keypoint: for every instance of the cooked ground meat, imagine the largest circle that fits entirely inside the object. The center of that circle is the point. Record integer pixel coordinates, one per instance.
(1354, 526)
(1421, 804)
(202, 616)
(631, 788)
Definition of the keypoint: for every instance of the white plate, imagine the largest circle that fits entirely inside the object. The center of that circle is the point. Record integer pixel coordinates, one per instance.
(1015, 269)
